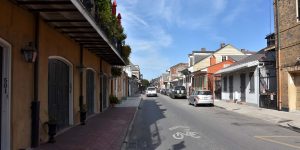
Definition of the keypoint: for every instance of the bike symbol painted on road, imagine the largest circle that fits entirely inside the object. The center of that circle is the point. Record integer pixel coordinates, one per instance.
(186, 131)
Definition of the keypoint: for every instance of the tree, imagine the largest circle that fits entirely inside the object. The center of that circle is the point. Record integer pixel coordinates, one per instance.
(145, 82)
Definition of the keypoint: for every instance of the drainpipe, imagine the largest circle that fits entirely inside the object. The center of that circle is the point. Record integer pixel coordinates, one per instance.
(35, 104)
(82, 118)
(278, 58)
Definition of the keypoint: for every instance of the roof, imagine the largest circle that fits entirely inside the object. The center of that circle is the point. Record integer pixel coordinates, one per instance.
(247, 52)
(183, 64)
(249, 61)
(237, 57)
(203, 51)
(199, 58)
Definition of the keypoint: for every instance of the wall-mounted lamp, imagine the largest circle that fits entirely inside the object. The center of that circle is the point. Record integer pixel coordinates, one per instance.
(29, 52)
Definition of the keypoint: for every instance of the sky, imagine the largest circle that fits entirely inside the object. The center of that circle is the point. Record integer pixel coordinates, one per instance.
(162, 33)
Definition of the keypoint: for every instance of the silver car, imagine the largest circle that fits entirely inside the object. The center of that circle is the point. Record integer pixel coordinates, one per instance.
(201, 97)
(151, 91)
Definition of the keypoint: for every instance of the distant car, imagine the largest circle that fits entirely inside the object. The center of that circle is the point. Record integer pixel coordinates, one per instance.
(168, 91)
(178, 92)
(201, 97)
(151, 91)
(163, 91)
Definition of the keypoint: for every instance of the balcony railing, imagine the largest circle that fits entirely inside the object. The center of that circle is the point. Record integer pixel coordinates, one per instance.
(93, 8)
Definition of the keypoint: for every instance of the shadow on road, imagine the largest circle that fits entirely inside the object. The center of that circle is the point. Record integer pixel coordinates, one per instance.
(145, 133)
(179, 146)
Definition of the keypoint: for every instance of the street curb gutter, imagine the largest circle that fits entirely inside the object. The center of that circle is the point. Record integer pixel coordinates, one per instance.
(220, 107)
(129, 128)
(294, 128)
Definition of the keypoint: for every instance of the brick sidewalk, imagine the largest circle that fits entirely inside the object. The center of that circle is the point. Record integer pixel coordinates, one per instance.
(105, 131)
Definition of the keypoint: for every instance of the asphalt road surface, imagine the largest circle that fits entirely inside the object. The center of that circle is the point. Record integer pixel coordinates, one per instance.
(172, 124)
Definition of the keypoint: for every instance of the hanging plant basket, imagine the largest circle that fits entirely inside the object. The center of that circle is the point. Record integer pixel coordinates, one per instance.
(116, 71)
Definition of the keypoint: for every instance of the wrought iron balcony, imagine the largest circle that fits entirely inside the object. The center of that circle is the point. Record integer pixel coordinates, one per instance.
(79, 20)
(93, 8)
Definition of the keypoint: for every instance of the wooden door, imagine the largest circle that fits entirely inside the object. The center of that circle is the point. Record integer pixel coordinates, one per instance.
(231, 87)
(243, 87)
(90, 91)
(58, 92)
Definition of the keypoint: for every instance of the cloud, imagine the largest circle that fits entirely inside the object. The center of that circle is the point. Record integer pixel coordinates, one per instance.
(147, 40)
(147, 24)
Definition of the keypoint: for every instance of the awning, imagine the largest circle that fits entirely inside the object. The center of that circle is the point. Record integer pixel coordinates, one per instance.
(238, 67)
(77, 20)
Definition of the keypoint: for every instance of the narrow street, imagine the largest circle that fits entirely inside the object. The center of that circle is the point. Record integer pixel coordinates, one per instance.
(203, 128)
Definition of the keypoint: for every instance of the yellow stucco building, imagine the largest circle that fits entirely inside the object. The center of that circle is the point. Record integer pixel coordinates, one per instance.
(72, 68)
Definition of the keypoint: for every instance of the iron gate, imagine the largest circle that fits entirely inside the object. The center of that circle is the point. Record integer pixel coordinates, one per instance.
(58, 92)
(268, 87)
(90, 89)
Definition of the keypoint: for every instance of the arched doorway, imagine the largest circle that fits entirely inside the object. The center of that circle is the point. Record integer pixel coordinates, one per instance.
(60, 103)
(90, 91)
(5, 92)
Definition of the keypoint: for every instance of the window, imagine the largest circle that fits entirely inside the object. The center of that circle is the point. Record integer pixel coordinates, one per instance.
(225, 83)
(204, 93)
(224, 58)
(201, 83)
(251, 78)
(205, 82)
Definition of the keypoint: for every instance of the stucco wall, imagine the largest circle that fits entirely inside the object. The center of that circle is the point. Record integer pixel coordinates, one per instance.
(251, 97)
(17, 28)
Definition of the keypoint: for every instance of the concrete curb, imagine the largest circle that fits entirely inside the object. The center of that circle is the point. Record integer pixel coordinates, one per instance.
(129, 128)
(293, 127)
(220, 107)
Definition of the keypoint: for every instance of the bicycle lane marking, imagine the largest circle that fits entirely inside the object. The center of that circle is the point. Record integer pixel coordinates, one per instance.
(186, 132)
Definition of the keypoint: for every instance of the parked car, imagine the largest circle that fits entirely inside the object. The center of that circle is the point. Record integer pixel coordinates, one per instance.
(163, 91)
(201, 97)
(178, 92)
(168, 91)
(151, 91)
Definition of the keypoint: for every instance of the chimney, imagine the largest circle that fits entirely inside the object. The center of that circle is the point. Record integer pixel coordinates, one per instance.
(212, 60)
(203, 49)
(119, 20)
(114, 8)
(222, 45)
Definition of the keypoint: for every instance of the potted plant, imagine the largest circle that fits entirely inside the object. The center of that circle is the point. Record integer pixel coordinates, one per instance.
(52, 126)
(83, 111)
(113, 100)
(116, 71)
